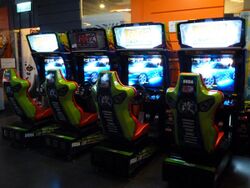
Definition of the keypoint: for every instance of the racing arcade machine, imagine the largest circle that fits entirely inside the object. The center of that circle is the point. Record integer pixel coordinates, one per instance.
(49, 50)
(134, 117)
(214, 49)
(74, 108)
(144, 65)
(200, 154)
(34, 117)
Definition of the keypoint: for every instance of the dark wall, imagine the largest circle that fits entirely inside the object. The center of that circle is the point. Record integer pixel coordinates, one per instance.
(58, 15)
(49, 15)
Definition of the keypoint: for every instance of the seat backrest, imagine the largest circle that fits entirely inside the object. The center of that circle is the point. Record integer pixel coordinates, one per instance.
(16, 90)
(113, 100)
(194, 108)
(61, 93)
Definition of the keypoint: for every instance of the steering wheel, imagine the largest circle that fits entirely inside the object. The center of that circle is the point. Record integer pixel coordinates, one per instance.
(84, 89)
(140, 94)
(41, 89)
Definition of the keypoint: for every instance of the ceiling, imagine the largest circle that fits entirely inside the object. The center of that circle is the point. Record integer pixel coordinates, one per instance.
(92, 6)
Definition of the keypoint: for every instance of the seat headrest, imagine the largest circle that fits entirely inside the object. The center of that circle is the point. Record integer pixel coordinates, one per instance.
(194, 108)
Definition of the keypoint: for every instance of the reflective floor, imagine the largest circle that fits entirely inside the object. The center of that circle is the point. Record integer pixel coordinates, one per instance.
(38, 169)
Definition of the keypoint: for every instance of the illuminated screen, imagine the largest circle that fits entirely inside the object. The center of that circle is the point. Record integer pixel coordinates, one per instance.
(93, 65)
(43, 42)
(139, 37)
(217, 72)
(146, 70)
(54, 63)
(223, 33)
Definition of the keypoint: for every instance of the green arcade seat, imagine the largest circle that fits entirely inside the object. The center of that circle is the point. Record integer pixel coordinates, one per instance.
(30, 111)
(125, 147)
(78, 128)
(114, 100)
(61, 94)
(200, 152)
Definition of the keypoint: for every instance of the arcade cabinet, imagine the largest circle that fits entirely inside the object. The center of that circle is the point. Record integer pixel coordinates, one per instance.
(35, 118)
(214, 49)
(74, 108)
(201, 152)
(144, 65)
(127, 145)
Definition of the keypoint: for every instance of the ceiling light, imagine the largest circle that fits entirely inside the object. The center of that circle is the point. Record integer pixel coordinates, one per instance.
(237, 1)
(86, 24)
(121, 10)
(102, 6)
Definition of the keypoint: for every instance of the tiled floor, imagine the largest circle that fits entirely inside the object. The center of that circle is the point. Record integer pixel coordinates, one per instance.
(36, 169)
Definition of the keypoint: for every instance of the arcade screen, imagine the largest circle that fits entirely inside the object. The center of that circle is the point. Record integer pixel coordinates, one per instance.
(43, 42)
(139, 36)
(218, 72)
(54, 63)
(146, 70)
(93, 65)
(211, 33)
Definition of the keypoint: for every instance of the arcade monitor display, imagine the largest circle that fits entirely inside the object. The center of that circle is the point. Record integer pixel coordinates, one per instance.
(43, 42)
(211, 33)
(146, 36)
(93, 65)
(54, 63)
(218, 72)
(146, 70)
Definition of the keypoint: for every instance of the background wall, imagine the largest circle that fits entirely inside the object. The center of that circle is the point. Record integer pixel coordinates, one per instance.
(56, 15)
(171, 10)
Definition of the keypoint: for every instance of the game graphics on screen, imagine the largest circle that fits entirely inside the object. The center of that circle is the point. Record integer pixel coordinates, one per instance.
(218, 72)
(54, 63)
(93, 66)
(145, 70)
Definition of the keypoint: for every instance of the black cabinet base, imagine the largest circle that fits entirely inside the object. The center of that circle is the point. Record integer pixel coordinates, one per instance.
(121, 162)
(180, 173)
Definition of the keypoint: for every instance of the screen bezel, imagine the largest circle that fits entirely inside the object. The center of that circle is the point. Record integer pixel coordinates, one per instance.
(242, 37)
(33, 34)
(162, 46)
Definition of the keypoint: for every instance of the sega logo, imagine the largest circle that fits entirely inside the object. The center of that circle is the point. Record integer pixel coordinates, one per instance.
(188, 81)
